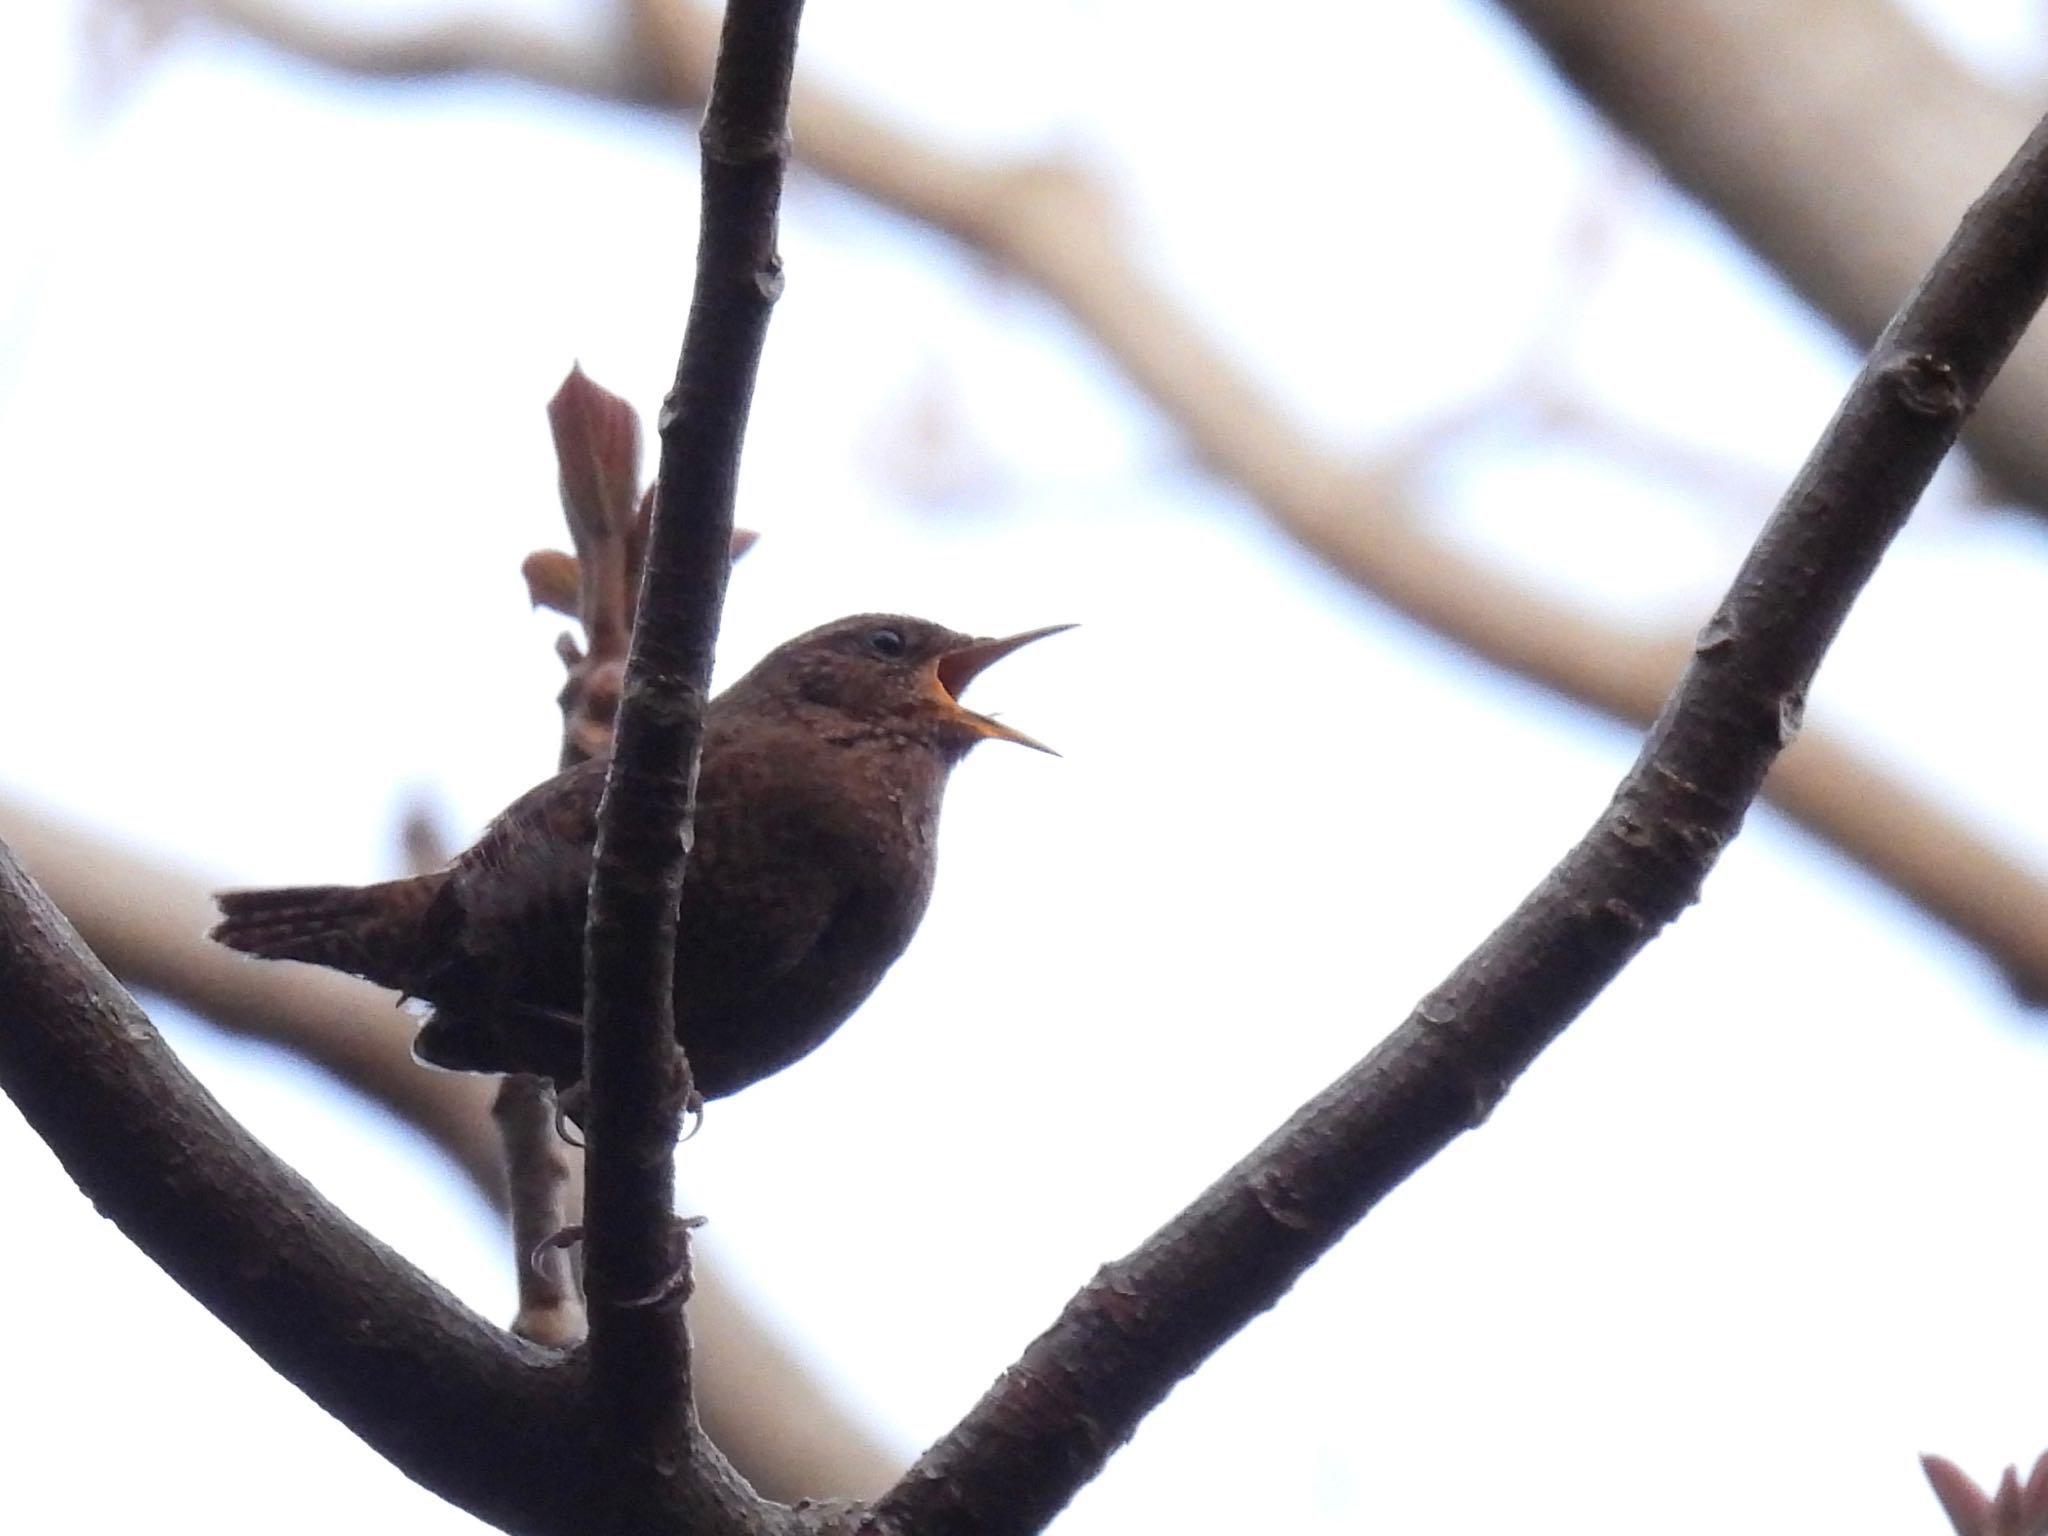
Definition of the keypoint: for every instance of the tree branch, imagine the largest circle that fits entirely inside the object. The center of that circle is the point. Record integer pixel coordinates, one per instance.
(78, 1056)
(597, 450)
(639, 1081)
(147, 923)
(545, 1200)
(489, 1422)
(543, 1177)
(480, 44)
(1839, 148)
(759, 1404)
(1150, 1318)
(1051, 227)
(480, 1418)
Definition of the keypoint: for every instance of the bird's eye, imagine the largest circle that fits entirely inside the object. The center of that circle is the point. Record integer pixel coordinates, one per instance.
(887, 642)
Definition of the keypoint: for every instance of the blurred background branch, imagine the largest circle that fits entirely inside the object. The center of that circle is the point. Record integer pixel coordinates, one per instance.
(1843, 162)
(1053, 226)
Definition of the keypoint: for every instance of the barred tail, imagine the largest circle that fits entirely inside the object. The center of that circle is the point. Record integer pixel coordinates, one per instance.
(367, 930)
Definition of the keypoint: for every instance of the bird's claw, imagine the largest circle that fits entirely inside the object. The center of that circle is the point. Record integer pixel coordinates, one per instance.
(678, 1281)
(570, 1105)
(567, 1237)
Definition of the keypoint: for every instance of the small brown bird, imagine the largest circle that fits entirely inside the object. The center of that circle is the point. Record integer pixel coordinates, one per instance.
(817, 821)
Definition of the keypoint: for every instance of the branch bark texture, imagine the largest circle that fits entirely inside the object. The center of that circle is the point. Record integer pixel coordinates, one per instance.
(639, 1081)
(1148, 1319)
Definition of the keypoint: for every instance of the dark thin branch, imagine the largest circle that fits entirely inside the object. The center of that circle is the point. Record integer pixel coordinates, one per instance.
(639, 1082)
(1150, 1318)
(597, 446)
(479, 1417)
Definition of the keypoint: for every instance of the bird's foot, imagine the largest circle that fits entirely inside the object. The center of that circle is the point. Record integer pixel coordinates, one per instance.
(571, 1105)
(678, 1282)
(567, 1237)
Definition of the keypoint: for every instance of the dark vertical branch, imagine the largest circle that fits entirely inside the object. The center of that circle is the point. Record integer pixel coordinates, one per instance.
(639, 1082)
(1150, 1318)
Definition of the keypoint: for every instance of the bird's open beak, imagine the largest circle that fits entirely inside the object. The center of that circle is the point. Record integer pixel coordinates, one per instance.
(953, 671)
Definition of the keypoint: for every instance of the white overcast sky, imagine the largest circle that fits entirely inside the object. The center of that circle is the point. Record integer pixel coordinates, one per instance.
(273, 354)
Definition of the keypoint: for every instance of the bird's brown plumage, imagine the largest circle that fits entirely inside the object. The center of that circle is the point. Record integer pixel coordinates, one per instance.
(817, 821)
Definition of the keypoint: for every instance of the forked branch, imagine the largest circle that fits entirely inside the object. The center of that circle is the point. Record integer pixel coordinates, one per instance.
(639, 1081)
(1150, 1318)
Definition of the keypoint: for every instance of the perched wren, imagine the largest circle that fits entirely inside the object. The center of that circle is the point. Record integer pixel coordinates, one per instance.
(816, 832)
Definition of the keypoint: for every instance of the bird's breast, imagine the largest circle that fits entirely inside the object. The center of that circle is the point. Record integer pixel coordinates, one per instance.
(801, 893)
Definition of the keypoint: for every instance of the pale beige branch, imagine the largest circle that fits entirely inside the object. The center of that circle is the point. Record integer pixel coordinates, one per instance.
(1834, 137)
(479, 44)
(1052, 226)
(546, 1177)
(1706, 476)
(147, 924)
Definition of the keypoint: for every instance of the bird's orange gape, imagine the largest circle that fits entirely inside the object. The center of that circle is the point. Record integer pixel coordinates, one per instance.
(953, 671)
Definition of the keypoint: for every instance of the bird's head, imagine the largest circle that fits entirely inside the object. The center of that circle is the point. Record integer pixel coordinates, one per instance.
(898, 675)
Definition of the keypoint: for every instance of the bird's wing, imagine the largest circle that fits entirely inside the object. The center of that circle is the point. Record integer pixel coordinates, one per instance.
(517, 895)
